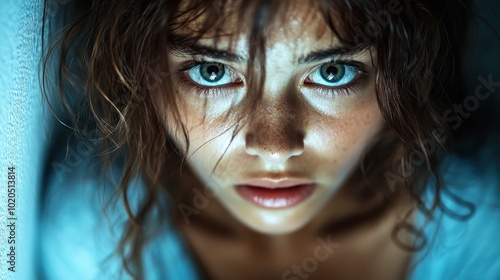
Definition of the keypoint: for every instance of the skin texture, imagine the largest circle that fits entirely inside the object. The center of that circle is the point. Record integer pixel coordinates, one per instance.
(297, 131)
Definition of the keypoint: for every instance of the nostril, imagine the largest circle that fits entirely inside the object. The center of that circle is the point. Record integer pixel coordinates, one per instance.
(250, 144)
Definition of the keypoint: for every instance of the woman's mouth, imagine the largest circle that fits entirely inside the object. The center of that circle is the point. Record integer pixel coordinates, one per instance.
(279, 197)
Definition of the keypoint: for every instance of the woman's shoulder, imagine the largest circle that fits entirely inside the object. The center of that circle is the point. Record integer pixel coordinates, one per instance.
(462, 236)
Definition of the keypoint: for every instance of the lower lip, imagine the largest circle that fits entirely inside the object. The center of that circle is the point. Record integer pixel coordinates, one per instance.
(276, 198)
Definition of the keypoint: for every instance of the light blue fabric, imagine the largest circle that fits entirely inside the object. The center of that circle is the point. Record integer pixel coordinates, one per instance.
(22, 143)
(77, 237)
(465, 248)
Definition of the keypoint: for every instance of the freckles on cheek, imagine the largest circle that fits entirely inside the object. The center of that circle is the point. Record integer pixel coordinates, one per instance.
(347, 136)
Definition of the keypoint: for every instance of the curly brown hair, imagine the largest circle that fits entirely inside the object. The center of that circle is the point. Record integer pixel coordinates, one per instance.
(123, 73)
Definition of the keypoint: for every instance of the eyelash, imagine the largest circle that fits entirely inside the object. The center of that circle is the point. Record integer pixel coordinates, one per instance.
(201, 90)
(353, 87)
(358, 83)
(216, 91)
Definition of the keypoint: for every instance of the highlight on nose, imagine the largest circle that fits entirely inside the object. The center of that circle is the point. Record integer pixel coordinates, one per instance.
(274, 146)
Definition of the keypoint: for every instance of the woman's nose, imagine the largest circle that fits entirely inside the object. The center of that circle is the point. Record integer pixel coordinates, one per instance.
(275, 133)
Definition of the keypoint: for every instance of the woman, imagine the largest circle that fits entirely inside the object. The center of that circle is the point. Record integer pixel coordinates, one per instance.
(276, 140)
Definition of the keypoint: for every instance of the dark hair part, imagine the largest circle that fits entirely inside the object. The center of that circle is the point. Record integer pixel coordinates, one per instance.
(121, 48)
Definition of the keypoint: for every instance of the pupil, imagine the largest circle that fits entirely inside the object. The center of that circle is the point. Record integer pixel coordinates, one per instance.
(212, 69)
(212, 72)
(332, 72)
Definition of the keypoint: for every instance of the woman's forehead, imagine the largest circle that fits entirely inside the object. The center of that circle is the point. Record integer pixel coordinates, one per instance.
(291, 28)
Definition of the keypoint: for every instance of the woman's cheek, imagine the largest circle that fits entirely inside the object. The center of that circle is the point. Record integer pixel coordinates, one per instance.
(342, 140)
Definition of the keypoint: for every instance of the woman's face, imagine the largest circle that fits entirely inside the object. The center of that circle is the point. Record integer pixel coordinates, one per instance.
(317, 114)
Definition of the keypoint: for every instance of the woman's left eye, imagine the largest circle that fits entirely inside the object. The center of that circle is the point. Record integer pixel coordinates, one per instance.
(212, 74)
(333, 74)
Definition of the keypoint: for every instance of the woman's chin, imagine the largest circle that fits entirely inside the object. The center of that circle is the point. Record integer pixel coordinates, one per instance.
(274, 221)
(282, 229)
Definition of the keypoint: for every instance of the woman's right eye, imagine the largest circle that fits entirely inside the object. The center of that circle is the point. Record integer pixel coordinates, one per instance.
(212, 74)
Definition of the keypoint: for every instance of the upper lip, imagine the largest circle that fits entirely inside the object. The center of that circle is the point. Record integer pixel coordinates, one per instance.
(273, 183)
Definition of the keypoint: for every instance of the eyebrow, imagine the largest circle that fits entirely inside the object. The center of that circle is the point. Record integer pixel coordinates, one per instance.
(211, 52)
(215, 53)
(328, 53)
